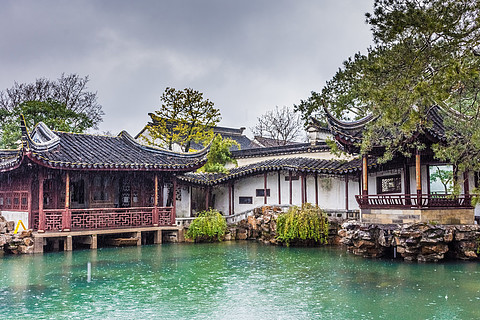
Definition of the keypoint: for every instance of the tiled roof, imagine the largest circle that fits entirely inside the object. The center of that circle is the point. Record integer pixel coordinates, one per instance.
(270, 142)
(290, 164)
(280, 150)
(10, 159)
(350, 134)
(95, 152)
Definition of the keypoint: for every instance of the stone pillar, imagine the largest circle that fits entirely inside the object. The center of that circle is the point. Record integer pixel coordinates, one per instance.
(138, 235)
(157, 236)
(93, 244)
(38, 245)
(68, 244)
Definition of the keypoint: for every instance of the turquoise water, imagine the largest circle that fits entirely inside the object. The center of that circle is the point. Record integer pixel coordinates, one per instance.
(233, 280)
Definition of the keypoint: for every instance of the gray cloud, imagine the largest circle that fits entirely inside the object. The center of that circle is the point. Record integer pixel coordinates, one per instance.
(246, 56)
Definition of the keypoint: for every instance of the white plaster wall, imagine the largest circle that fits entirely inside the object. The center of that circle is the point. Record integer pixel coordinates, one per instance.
(221, 198)
(15, 216)
(331, 192)
(183, 205)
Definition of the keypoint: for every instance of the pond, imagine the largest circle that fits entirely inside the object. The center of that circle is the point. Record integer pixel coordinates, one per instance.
(233, 280)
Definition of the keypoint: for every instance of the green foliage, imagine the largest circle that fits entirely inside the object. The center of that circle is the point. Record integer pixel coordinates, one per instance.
(64, 104)
(425, 53)
(54, 114)
(444, 176)
(297, 225)
(209, 226)
(219, 155)
(184, 116)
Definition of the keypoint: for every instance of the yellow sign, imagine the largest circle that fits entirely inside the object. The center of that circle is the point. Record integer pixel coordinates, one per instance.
(18, 225)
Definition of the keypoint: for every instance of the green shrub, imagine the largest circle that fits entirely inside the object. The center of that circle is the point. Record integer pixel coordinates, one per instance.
(209, 226)
(305, 225)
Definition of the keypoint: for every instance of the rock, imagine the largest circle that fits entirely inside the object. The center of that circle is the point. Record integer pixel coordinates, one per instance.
(26, 233)
(448, 237)
(10, 226)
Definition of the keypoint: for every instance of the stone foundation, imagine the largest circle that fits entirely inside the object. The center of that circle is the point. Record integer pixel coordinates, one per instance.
(464, 216)
(412, 242)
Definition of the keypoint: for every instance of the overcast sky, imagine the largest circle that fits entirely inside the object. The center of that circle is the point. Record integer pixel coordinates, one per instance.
(245, 56)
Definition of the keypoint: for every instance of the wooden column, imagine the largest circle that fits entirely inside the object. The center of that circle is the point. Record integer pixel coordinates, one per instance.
(316, 188)
(161, 191)
(279, 189)
(290, 184)
(207, 197)
(418, 178)
(428, 178)
(365, 174)
(229, 199)
(406, 182)
(264, 188)
(174, 201)
(302, 180)
(305, 186)
(30, 211)
(233, 197)
(41, 213)
(66, 215)
(155, 202)
(346, 192)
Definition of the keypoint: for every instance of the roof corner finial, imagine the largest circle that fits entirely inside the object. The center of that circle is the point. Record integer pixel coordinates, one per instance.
(24, 129)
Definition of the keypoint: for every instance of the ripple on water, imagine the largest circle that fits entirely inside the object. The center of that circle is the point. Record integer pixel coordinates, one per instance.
(234, 280)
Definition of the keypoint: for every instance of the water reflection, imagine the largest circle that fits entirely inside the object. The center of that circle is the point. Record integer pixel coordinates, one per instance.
(234, 280)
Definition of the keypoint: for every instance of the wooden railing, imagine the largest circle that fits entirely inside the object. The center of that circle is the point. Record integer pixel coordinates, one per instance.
(105, 218)
(395, 201)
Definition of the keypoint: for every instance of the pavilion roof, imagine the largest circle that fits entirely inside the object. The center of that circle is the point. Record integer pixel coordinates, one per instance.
(63, 150)
(304, 165)
(349, 134)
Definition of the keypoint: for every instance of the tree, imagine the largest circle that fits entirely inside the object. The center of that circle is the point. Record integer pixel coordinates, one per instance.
(64, 104)
(184, 116)
(425, 53)
(444, 176)
(219, 155)
(282, 125)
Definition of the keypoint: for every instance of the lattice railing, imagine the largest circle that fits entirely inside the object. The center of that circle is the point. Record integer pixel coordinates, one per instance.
(387, 201)
(105, 218)
(14, 200)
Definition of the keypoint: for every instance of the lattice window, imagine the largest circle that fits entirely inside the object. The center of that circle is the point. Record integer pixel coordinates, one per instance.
(389, 184)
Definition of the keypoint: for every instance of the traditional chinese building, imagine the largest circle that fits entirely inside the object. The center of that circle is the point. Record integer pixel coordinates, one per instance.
(402, 189)
(65, 182)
